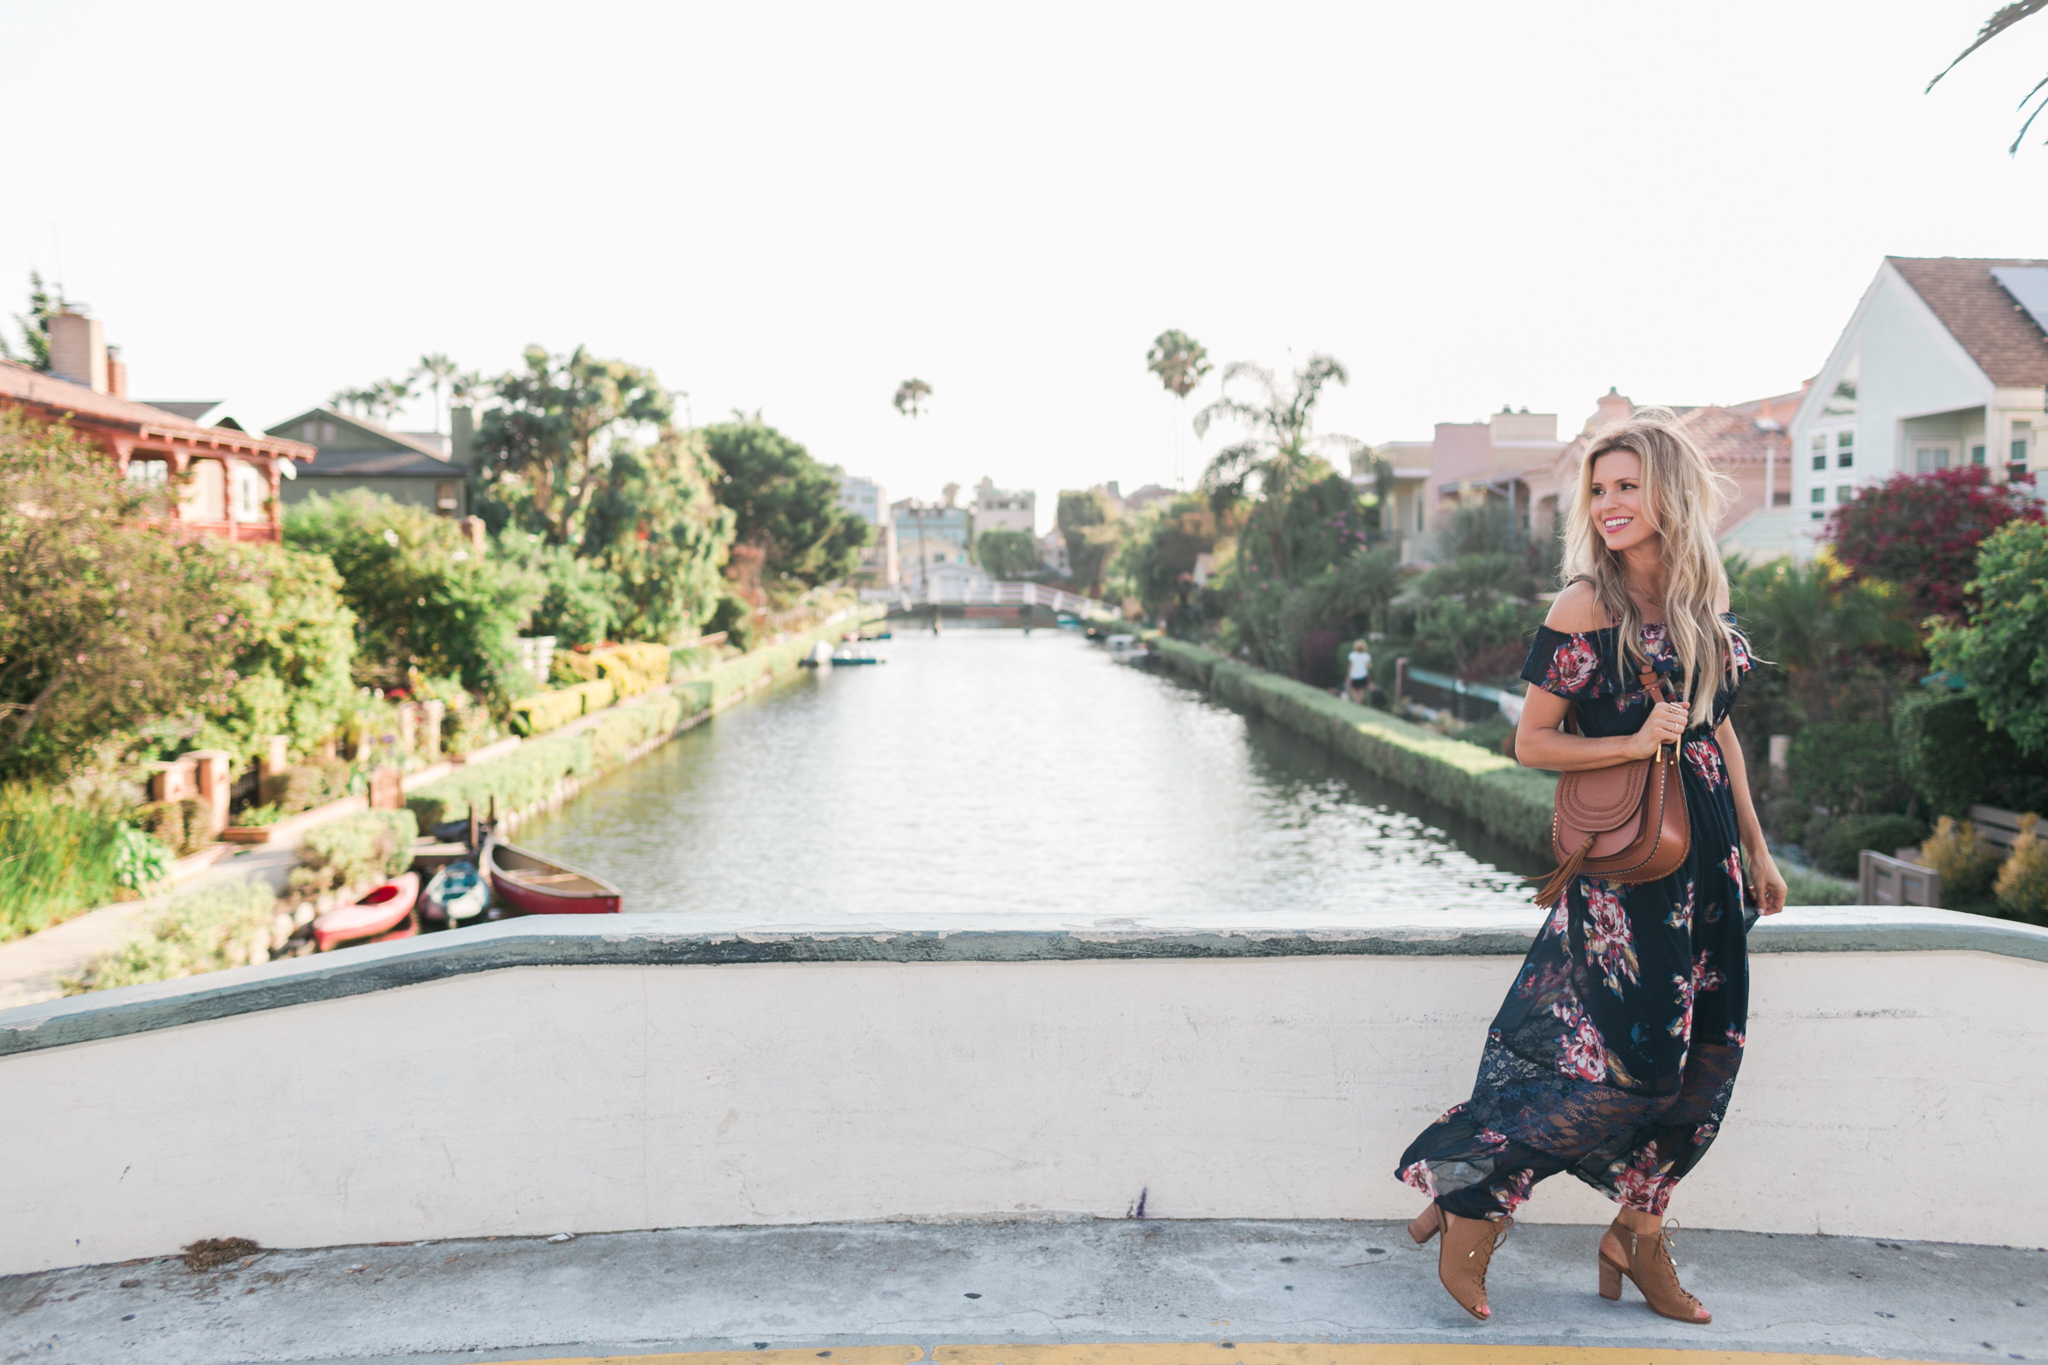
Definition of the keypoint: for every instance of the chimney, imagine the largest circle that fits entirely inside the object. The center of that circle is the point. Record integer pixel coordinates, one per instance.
(78, 350)
(117, 373)
(461, 434)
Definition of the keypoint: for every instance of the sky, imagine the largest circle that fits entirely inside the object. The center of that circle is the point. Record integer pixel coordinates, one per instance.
(790, 208)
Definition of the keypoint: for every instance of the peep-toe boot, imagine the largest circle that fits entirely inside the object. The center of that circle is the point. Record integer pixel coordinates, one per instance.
(1648, 1264)
(1461, 1261)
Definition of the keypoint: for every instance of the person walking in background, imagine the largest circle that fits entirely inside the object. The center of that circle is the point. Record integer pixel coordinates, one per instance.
(1615, 1051)
(1361, 671)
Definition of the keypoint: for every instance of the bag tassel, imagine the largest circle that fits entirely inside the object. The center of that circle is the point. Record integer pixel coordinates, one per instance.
(1553, 889)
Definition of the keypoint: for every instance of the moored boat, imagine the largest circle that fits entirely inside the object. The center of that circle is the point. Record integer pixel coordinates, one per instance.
(457, 892)
(385, 913)
(528, 884)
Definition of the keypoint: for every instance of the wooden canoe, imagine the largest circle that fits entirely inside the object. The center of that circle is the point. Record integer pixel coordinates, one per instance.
(526, 883)
(385, 913)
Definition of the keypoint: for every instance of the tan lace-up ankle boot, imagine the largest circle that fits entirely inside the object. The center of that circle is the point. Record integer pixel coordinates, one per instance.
(1461, 1261)
(1427, 1224)
(1649, 1266)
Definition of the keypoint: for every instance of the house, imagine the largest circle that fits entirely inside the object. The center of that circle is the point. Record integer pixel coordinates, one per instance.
(1052, 551)
(1003, 509)
(1511, 457)
(929, 534)
(1516, 459)
(404, 466)
(228, 480)
(1943, 363)
(866, 499)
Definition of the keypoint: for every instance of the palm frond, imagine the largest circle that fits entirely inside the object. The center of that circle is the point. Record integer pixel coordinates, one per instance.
(1227, 408)
(2004, 18)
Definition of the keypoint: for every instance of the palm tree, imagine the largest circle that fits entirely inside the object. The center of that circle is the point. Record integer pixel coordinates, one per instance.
(2001, 20)
(439, 372)
(1180, 361)
(1282, 444)
(911, 396)
(388, 396)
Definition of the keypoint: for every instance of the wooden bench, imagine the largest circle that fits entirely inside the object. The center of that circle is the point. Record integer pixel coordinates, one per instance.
(1883, 880)
(1996, 827)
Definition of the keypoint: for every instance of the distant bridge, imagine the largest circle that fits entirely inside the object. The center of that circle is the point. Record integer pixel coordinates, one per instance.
(989, 593)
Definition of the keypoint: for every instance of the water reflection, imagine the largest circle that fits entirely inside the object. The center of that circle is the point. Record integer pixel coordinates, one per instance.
(994, 773)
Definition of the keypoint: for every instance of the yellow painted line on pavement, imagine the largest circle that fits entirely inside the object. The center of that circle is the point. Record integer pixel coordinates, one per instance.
(1232, 1353)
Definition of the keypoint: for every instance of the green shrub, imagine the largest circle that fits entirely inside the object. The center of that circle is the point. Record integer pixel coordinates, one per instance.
(521, 779)
(1814, 888)
(1833, 844)
(140, 862)
(626, 727)
(1966, 863)
(184, 826)
(59, 858)
(224, 925)
(735, 616)
(353, 850)
(2022, 885)
(1848, 767)
(691, 659)
(1953, 761)
(545, 711)
(630, 669)
(306, 785)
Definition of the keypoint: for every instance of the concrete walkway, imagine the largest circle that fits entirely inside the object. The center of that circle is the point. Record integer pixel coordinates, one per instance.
(1031, 1293)
(31, 967)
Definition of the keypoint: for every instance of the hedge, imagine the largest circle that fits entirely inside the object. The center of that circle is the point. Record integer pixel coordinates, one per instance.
(545, 711)
(630, 669)
(353, 850)
(1500, 794)
(533, 772)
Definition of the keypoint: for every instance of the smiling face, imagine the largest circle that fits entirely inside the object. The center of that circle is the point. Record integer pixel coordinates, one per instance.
(1620, 508)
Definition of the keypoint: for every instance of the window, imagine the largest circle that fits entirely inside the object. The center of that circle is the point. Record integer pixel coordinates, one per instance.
(1844, 492)
(447, 496)
(1781, 497)
(1820, 451)
(327, 431)
(1818, 494)
(1845, 449)
(2022, 434)
(1928, 458)
(150, 473)
(1977, 455)
(252, 490)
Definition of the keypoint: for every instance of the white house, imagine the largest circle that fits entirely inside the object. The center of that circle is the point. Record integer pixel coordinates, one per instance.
(1004, 509)
(1943, 363)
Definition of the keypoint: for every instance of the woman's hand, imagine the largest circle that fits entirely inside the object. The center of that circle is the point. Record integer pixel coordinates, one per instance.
(1766, 883)
(1666, 725)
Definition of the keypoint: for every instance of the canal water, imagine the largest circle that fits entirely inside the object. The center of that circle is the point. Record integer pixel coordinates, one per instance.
(991, 772)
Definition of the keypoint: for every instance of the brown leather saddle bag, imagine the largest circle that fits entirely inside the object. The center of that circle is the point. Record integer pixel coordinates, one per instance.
(1625, 824)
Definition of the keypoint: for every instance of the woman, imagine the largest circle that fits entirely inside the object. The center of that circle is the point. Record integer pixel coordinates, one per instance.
(1360, 676)
(1615, 1052)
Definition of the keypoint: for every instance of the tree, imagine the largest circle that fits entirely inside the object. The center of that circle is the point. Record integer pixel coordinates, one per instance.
(1180, 362)
(2003, 651)
(294, 644)
(438, 372)
(2003, 18)
(1813, 620)
(546, 450)
(1092, 534)
(108, 626)
(422, 598)
(1282, 445)
(387, 397)
(911, 396)
(35, 326)
(1921, 533)
(785, 505)
(657, 526)
(1007, 554)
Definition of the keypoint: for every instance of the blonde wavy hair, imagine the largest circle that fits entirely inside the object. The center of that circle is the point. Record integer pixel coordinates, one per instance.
(1683, 498)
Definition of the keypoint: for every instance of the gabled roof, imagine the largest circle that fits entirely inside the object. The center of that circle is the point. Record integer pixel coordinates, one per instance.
(341, 462)
(26, 385)
(1986, 321)
(354, 433)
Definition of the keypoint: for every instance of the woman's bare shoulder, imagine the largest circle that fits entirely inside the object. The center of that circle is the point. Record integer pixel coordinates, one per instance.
(1576, 610)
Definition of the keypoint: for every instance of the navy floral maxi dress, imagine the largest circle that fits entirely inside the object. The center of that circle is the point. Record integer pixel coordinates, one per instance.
(1615, 1052)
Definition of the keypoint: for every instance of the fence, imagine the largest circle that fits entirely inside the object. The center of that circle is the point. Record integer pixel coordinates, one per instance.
(1464, 700)
(990, 593)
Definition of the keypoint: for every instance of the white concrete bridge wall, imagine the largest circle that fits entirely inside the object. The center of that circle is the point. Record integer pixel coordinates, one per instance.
(1883, 1094)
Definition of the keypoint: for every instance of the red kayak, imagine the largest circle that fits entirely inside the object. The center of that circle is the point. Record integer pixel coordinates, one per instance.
(385, 913)
(528, 884)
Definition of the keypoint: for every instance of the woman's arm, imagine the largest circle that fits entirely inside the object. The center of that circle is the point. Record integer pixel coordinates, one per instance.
(1765, 879)
(1539, 743)
(1539, 740)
